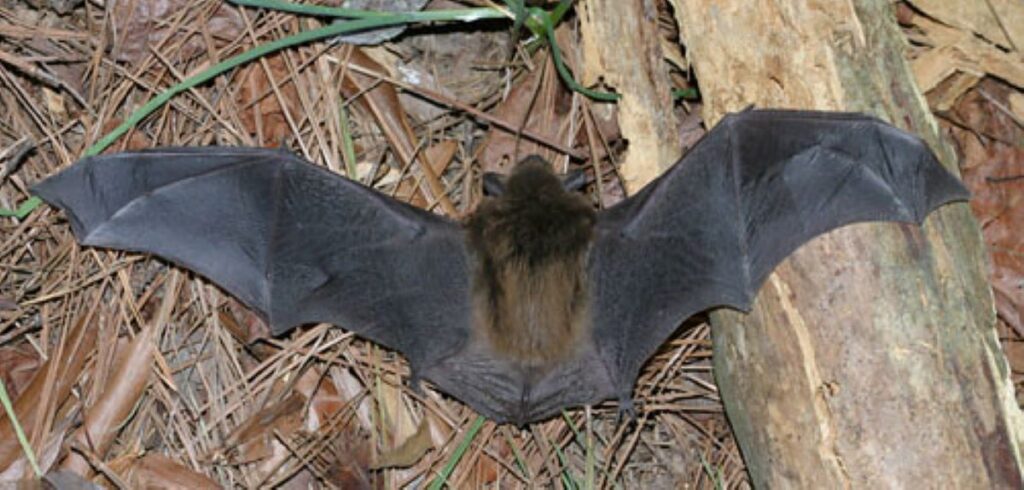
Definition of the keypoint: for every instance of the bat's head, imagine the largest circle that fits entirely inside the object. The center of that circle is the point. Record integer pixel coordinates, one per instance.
(533, 175)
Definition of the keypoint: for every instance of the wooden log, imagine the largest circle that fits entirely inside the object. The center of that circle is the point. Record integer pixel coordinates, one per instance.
(870, 359)
(622, 48)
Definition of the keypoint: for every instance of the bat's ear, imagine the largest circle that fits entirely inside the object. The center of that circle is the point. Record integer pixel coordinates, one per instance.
(574, 181)
(494, 184)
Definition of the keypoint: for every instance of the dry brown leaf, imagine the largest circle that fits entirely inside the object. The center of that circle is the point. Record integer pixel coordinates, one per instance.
(325, 401)
(539, 103)
(54, 480)
(66, 480)
(246, 330)
(396, 414)
(158, 471)
(46, 457)
(975, 55)
(348, 463)
(960, 51)
(992, 147)
(106, 416)
(463, 65)
(440, 156)
(253, 439)
(41, 398)
(380, 100)
(347, 456)
(139, 25)
(264, 114)
(136, 140)
(948, 92)
(256, 440)
(489, 469)
(410, 451)
(971, 15)
(18, 364)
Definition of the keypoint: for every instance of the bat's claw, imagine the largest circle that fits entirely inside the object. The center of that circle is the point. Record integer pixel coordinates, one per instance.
(416, 384)
(627, 410)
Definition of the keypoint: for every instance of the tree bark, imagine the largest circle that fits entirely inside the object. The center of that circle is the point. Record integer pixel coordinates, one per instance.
(622, 47)
(870, 358)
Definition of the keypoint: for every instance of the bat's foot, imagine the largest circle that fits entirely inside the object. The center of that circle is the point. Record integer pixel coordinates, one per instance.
(627, 410)
(416, 384)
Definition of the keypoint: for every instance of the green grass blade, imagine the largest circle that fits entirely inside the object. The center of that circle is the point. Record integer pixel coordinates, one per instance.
(463, 15)
(26, 207)
(348, 147)
(685, 93)
(714, 473)
(549, 32)
(391, 19)
(457, 455)
(5, 400)
(265, 49)
(568, 480)
(520, 460)
(310, 9)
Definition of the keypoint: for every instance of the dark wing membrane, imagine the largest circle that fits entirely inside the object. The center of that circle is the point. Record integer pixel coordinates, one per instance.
(709, 231)
(292, 240)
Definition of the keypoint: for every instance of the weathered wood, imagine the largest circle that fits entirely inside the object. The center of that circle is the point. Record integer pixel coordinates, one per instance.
(622, 47)
(870, 359)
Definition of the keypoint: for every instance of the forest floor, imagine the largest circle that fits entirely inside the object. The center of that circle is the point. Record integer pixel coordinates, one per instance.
(418, 113)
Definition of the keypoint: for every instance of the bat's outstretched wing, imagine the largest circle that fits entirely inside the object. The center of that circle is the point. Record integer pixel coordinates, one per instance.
(293, 241)
(710, 230)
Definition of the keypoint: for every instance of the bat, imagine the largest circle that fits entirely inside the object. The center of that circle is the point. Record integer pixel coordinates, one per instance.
(536, 301)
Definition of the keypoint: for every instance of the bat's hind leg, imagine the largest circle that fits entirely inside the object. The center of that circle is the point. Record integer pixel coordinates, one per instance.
(416, 382)
(627, 409)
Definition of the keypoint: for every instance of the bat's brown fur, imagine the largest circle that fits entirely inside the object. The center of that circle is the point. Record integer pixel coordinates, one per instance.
(530, 247)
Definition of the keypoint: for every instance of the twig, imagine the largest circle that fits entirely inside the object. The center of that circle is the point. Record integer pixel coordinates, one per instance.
(32, 71)
(12, 156)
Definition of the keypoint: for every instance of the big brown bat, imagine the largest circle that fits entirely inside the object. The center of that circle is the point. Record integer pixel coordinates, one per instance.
(537, 301)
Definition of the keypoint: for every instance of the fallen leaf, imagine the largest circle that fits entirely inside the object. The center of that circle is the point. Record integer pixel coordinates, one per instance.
(264, 114)
(380, 100)
(158, 471)
(139, 25)
(50, 386)
(252, 439)
(539, 103)
(18, 364)
(959, 51)
(992, 162)
(119, 396)
(66, 480)
(136, 140)
(974, 16)
(410, 451)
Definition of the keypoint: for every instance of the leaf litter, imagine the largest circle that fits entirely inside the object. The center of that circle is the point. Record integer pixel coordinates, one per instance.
(127, 372)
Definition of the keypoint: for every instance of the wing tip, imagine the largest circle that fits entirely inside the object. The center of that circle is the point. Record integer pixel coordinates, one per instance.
(51, 190)
(955, 194)
(937, 185)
